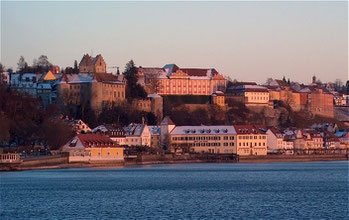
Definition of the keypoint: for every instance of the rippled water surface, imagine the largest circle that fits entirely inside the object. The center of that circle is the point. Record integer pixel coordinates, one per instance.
(315, 190)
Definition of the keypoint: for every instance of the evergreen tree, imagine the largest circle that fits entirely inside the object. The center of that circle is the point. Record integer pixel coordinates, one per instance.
(76, 68)
(2, 68)
(133, 89)
(284, 79)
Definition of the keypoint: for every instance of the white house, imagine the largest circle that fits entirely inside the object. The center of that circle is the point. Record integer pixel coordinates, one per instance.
(137, 135)
(279, 142)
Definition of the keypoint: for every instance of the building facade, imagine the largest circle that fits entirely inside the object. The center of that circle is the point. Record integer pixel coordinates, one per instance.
(172, 80)
(254, 95)
(250, 140)
(203, 139)
(93, 148)
(97, 90)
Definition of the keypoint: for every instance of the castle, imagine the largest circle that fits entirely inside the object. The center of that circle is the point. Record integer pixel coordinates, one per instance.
(90, 64)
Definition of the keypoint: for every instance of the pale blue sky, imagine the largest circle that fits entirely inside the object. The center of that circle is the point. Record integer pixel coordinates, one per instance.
(245, 40)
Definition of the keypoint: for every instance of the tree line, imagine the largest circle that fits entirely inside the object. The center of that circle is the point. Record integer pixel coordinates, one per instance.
(26, 122)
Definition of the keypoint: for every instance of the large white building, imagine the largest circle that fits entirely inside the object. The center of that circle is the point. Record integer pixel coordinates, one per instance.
(204, 139)
(218, 139)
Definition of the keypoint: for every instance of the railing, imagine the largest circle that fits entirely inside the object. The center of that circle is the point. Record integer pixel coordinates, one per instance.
(10, 158)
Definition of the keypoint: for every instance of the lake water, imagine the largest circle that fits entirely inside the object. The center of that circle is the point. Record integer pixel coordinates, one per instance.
(314, 190)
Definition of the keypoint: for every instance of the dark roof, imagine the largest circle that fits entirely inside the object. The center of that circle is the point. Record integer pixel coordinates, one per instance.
(195, 72)
(106, 77)
(86, 60)
(247, 129)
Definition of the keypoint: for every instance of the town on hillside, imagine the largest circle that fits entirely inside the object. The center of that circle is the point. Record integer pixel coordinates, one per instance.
(86, 114)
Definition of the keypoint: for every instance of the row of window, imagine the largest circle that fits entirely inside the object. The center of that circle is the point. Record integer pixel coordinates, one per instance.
(251, 144)
(113, 85)
(110, 93)
(252, 137)
(259, 98)
(230, 144)
(207, 138)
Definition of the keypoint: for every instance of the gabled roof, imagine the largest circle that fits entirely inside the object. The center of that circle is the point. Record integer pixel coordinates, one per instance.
(47, 76)
(167, 121)
(171, 68)
(86, 60)
(134, 129)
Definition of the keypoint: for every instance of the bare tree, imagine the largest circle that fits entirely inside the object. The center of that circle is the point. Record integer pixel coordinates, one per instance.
(22, 65)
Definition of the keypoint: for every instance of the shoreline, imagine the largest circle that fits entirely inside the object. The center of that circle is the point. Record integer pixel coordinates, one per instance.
(247, 159)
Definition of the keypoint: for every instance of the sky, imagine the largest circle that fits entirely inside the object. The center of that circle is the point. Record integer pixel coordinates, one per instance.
(247, 41)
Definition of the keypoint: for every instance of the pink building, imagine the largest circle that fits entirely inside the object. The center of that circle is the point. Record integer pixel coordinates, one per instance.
(172, 80)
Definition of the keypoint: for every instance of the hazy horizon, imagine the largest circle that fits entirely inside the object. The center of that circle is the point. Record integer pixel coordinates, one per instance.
(248, 41)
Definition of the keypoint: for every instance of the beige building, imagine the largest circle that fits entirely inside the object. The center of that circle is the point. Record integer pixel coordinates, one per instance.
(250, 140)
(254, 95)
(218, 98)
(203, 139)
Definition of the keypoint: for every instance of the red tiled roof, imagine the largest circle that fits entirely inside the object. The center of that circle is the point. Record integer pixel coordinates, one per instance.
(96, 140)
(243, 83)
(106, 77)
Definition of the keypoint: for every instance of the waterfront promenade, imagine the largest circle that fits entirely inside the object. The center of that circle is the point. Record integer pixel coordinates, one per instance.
(61, 161)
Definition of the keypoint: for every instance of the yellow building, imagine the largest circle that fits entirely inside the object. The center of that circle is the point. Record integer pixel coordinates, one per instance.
(254, 95)
(274, 95)
(218, 98)
(250, 140)
(93, 148)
